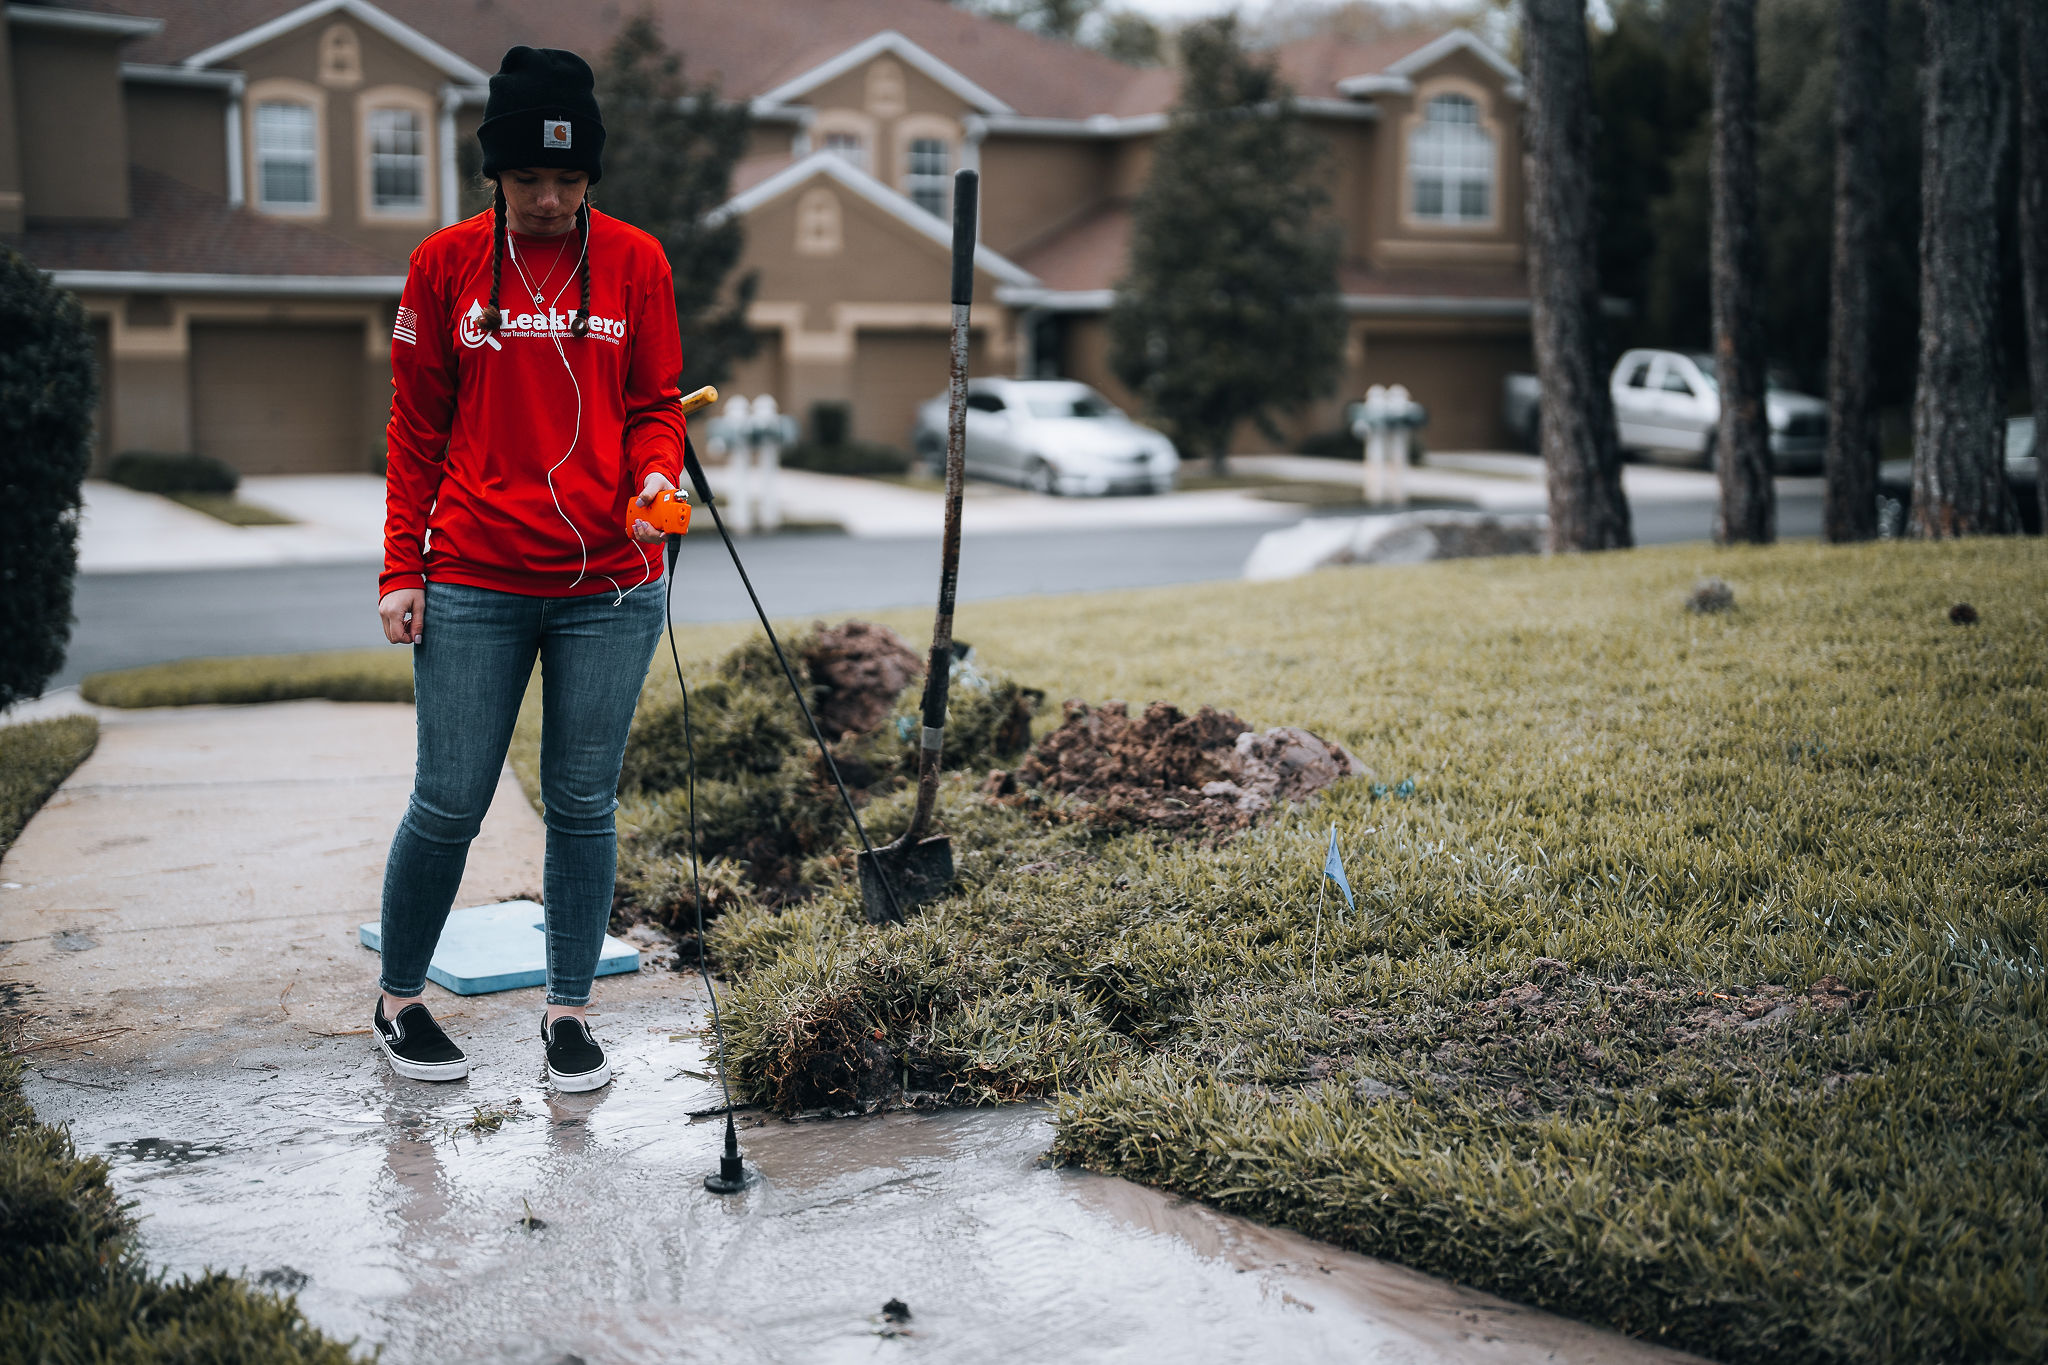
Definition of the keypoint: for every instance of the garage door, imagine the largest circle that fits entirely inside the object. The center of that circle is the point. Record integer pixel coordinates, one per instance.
(893, 372)
(279, 400)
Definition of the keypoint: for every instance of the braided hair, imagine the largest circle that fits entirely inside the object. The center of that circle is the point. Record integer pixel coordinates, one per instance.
(493, 318)
(580, 325)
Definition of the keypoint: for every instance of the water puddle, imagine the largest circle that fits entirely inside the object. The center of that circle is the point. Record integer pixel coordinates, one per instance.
(402, 1215)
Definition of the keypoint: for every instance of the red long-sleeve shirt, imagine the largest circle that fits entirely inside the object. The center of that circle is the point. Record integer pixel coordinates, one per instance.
(477, 420)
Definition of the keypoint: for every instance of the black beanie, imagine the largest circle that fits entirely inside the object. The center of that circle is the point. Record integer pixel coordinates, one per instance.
(542, 112)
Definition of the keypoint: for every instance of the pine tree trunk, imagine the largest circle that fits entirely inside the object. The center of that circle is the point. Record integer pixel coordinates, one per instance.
(2033, 72)
(1849, 506)
(1959, 484)
(1748, 510)
(1581, 451)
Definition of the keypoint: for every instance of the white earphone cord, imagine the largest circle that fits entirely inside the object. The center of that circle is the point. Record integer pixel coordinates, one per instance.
(555, 339)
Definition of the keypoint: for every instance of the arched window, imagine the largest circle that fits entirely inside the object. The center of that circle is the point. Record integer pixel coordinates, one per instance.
(1450, 163)
(398, 160)
(287, 155)
(927, 179)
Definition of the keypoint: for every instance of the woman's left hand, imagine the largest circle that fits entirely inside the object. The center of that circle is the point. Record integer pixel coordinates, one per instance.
(644, 531)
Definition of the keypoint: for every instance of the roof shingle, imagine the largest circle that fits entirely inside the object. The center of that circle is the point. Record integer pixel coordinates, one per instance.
(175, 228)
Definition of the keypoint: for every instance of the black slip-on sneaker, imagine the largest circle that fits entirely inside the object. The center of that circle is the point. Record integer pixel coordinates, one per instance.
(417, 1048)
(576, 1061)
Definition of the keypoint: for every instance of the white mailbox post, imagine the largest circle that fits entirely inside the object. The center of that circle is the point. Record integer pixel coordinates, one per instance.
(731, 431)
(1383, 421)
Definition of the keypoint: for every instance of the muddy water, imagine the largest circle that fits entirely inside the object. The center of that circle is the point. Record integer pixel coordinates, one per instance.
(398, 1223)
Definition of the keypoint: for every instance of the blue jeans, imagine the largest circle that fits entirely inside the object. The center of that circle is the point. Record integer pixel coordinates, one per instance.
(470, 671)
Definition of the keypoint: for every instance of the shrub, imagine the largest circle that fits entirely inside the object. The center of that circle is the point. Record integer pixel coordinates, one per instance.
(855, 457)
(1335, 444)
(48, 392)
(148, 472)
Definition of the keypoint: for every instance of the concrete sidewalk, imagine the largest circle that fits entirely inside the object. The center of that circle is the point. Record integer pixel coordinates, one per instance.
(177, 926)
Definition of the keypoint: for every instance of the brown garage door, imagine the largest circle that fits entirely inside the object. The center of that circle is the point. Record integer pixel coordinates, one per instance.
(893, 372)
(279, 400)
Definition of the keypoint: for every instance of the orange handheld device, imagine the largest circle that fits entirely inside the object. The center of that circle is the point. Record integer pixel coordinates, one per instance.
(669, 513)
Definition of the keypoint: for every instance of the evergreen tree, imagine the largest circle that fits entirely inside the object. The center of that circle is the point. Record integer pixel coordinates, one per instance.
(1230, 312)
(2033, 220)
(49, 389)
(1850, 507)
(668, 158)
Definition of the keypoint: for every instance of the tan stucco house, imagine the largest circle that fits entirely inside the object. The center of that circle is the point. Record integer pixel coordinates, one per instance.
(232, 187)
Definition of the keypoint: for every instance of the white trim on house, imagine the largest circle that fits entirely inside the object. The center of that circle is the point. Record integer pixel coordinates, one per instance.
(1370, 305)
(146, 73)
(406, 36)
(179, 282)
(1137, 125)
(890, 41)
(1389, 80)
(83, 21)
(875, 192)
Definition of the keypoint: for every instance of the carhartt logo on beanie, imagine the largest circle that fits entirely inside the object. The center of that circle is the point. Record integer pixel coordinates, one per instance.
(542, 112)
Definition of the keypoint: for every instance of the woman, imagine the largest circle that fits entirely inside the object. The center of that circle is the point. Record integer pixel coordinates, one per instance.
(522, 434)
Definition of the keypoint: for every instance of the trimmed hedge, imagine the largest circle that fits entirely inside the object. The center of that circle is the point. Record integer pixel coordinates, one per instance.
(48, 393)
(150, 472)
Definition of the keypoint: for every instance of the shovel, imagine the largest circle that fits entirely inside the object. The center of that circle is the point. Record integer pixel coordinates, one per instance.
(919, 866)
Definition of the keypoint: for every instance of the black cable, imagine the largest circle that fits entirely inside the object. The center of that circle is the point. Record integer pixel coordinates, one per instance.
(696, 880)
(696, 473)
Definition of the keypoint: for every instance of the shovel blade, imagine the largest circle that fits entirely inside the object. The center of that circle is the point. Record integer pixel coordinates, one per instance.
(917, 873)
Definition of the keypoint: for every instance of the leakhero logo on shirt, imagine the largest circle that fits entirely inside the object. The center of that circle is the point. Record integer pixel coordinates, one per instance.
(470, 331)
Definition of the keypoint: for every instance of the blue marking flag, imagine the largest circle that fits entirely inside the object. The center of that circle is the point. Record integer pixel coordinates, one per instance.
(1333, 868)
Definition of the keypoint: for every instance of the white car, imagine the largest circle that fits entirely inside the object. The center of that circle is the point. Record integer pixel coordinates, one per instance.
(1668, 403)
(1051, 436)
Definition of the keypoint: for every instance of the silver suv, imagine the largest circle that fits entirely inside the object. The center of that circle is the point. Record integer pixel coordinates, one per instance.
(1666, 402)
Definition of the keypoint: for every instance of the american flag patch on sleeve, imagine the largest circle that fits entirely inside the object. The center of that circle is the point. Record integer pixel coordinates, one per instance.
(406, 327)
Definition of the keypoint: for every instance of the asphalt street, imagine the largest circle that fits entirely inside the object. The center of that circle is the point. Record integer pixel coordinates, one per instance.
(129, 619)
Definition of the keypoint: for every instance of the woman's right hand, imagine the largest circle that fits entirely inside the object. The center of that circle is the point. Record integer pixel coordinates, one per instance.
(404, 612)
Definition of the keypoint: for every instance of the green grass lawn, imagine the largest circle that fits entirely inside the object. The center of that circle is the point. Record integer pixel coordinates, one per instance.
(1578, 1044)
(231, 509)
(35, 758)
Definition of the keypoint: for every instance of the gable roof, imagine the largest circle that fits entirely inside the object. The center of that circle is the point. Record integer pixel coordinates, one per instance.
(894, 43)
(850, 177)
(364, 13)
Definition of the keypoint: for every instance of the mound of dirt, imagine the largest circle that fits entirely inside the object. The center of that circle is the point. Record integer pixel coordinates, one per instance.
(860, 670)
(1208, 772)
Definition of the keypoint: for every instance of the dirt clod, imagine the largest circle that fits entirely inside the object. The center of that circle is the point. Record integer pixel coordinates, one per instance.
(1963, 614)
(1167, 770)
(1711, 594)
(860, 669)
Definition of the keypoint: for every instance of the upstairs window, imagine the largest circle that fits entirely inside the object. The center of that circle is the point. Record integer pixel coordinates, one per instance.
(287, 155)
(850, 147)
(398, 160)
(928, 180)
(1450, 163)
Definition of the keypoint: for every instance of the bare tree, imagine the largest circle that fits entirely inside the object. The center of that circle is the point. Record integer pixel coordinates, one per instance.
(2033, 73)
(1849, 506)
(1959, 484)
(1581, 451)
(1742, 439)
